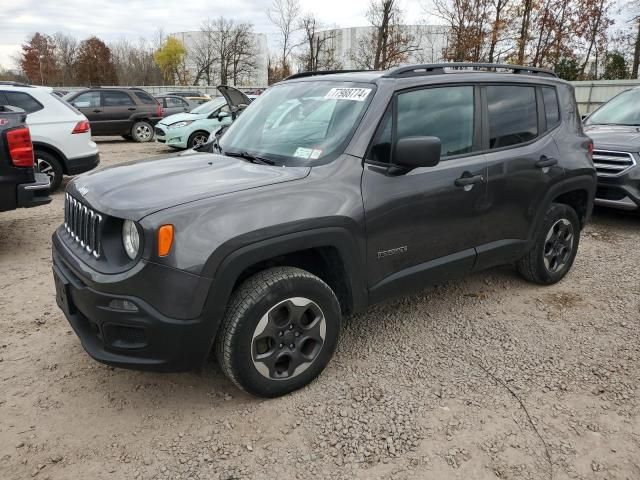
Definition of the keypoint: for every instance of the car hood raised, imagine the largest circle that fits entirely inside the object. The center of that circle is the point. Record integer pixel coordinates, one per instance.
(614, 137)
(137, 189)
(179, 117)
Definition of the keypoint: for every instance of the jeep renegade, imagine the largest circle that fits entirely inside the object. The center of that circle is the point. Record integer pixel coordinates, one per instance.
(331, 192)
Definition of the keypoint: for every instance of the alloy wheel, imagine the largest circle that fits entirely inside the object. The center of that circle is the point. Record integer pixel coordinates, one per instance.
(43, 166)
(558, 245)
(143, 132)
(198, 140)
(288, 338)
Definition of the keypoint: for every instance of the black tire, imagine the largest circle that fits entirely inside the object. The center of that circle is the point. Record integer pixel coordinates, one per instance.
(197, 138)
(550, 258)
(142, 131)
(49, 164)
(265, 299)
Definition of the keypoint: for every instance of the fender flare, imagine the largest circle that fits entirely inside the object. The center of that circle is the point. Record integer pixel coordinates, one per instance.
(226, 272)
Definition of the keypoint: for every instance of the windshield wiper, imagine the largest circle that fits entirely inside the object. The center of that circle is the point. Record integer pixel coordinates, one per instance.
(251, 158)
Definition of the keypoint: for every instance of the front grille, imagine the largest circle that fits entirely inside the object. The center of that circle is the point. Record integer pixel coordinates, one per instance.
(83, 224)
(611, 164)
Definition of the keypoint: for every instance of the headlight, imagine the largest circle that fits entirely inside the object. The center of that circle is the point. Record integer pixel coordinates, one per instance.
(130, 239)
(184, 123)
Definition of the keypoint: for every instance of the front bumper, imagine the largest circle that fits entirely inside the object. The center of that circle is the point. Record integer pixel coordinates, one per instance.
(79, 165)
(114, 333)
(34, 194)
(621, 192)
(172, 137)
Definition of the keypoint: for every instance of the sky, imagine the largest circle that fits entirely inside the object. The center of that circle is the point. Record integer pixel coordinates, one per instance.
(112, 20)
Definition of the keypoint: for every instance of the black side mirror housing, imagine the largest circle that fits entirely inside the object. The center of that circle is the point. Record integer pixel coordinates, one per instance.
(414, 152)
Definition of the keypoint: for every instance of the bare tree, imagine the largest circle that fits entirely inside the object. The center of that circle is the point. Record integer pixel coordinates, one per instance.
(284, 14)
(66, 52)
(243, 53)
(389, 42)
(134, 62)
(319, 47)
(204, 52)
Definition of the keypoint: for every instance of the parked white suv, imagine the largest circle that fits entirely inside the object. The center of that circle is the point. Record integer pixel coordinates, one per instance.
(61, 135)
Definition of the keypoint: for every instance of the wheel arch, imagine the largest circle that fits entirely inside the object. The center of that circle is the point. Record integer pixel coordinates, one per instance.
(45, 147)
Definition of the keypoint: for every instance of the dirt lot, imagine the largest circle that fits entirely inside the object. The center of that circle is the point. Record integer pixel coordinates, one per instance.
(486, 378)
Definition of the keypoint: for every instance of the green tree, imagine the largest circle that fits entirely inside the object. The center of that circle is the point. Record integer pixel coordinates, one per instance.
(170, 58)
(568, 69)
(616, 67)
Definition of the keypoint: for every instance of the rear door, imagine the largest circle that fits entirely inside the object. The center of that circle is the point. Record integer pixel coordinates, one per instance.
(522, 161)
(117, 109)
(89, 103)
(422, 225)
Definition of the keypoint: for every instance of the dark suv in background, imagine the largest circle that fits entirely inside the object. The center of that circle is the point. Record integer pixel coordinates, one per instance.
(20, 185)
(130, 112)
(329, 193)
(615, 130)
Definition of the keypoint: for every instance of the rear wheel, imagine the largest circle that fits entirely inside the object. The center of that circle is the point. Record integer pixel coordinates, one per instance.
(49, 165)
(555, 247)
(142, 131)
(197, 138)
(280, 330)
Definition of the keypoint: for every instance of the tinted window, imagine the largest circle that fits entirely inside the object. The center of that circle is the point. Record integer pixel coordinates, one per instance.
(146, 98)
(175, 102)
(551, 111)
(381, 146)
(512, 115)
(445, 112)
(22, 100)
(87, 100)
(116, 99)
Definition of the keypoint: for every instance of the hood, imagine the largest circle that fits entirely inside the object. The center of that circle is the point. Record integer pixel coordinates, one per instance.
(233, 96)
(137, 189)
(623, 138)
(179, 117)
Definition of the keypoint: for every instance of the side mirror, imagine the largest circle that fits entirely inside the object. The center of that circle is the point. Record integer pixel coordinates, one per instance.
(414, 152)
(222, 116)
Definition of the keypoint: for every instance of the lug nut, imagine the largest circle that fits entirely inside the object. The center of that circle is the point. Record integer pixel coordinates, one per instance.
(290, 327)
(280, 334)
(297, 334)
(291, 346)
(281, 345)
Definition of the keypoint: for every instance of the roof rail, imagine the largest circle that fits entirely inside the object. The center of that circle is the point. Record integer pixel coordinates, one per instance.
(15, 84)
(439, 68)
(313, 73)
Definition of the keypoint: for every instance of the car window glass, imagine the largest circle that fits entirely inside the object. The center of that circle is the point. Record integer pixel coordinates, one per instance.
(145, 98)
(87, 100)
(513, 117)
(116, 99)
(23, 100)
(551, 111)
(443, 112)
(380, 150)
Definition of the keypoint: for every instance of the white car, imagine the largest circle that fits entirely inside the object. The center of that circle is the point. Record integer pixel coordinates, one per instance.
(61, 135)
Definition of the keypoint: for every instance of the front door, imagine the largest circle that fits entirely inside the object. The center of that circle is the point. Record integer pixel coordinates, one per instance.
(422, 225)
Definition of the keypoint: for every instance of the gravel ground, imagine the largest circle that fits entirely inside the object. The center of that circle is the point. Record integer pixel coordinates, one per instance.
(488, 377)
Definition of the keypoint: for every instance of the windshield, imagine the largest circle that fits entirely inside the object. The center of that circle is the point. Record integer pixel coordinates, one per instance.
(209, 107)
(621, 110)
(295, 123)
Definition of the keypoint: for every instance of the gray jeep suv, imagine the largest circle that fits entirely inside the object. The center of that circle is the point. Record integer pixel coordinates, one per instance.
(329, 193)
(615, 130)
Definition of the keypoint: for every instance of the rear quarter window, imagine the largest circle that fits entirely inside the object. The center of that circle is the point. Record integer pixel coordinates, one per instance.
(22, 100)
(146, 98)
(551, 110)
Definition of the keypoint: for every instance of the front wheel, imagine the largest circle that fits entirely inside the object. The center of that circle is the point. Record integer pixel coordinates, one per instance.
(555, 247)
(197, 138)
(142, 131)
(280, 330)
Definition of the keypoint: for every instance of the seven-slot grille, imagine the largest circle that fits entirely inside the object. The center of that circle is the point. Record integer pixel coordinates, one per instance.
(612, 164)
(83, 224)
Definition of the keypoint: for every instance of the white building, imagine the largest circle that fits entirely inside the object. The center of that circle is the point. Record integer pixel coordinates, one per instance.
(259, 78)
(431, 40)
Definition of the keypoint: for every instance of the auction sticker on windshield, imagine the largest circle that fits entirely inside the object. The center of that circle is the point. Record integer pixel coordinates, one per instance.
(357, 94)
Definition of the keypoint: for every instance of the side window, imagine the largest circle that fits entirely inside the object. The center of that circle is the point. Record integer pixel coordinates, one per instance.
(145, 98)
(87, 100)
(443, 112)
(513, 117)
(116, 99)
(380, 150)
(23, 100)
(551, 112)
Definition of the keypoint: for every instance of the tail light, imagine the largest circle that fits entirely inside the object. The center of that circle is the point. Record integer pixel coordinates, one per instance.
(82, 126)
(159, 110)
(20, 147)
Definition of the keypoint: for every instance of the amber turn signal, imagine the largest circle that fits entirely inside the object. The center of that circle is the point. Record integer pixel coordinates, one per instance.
(165, 240)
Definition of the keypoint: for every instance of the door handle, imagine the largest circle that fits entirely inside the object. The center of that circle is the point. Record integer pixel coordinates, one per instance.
(131, 108)
(545, 162)
(467, 181)
(97, 111)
